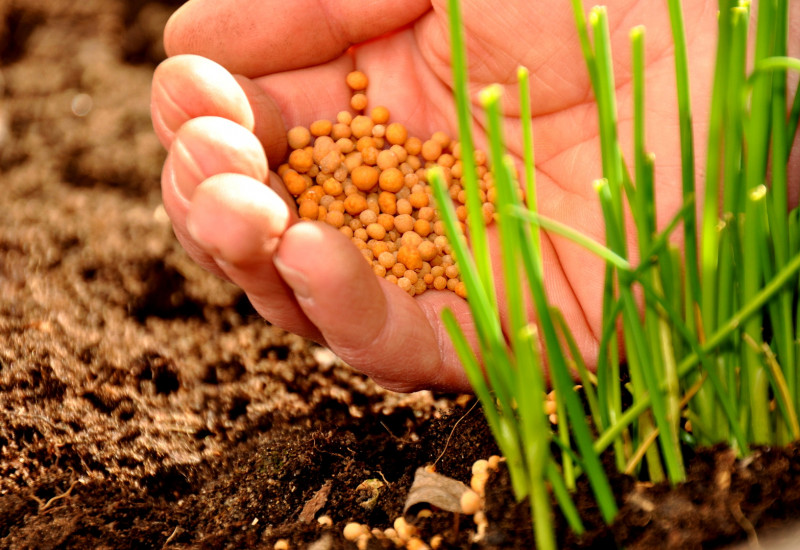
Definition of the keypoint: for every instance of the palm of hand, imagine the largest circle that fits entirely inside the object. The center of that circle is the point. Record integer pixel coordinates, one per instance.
(409, 72)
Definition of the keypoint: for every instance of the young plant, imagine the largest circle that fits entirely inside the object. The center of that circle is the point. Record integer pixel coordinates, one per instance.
(709, 333)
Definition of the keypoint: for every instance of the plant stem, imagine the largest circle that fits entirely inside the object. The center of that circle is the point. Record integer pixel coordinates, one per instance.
(477, 228)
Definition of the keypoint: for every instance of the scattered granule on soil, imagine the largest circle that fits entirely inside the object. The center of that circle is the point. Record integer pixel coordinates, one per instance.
(367, 177)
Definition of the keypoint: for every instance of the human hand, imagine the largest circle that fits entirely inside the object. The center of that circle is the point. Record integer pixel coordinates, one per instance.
(225, 133)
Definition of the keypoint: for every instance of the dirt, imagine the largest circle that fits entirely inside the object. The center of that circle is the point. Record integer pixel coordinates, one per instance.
(144, 404)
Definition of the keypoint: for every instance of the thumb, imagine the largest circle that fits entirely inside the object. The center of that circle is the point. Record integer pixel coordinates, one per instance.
(370, 323)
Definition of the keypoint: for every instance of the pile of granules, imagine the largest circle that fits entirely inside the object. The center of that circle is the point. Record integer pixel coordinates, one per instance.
(367, 177)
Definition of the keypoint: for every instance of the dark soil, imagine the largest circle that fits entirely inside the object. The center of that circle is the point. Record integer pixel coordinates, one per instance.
(143, 404)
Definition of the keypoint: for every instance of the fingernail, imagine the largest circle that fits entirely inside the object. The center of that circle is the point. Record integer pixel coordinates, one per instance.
(168, 110)
(294, 278)
(186, 174)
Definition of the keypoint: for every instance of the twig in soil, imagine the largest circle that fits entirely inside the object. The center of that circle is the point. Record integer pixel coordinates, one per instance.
(45, 506)
(746, 525)
(449, 437)
(343, 457)
(386, 481)
(395, 437)
(174, 534)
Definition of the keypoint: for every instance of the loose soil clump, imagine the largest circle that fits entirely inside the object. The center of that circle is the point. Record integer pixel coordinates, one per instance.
(144, 404)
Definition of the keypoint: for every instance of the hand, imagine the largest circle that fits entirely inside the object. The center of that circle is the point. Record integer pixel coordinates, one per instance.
(226, 133)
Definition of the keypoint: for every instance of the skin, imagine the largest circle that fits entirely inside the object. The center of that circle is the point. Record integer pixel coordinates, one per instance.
(241, 73)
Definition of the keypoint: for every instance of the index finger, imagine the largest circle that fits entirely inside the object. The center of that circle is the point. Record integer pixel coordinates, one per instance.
(259, 38)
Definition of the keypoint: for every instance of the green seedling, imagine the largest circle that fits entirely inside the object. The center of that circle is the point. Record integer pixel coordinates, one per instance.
(709, 331)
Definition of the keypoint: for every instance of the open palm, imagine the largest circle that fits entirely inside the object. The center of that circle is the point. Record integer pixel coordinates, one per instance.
(290, 59)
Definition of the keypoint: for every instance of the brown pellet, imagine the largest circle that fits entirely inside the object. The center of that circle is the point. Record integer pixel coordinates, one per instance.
(441, 138)
(370, 156)
(391, 180)
(387, 260)
(308, 209)
(301, 160)
(378, 247)
(411, 180)
(399, 152)
(357, 81)
(298, 137)
(387, 159)
(427, 251)
(364, 177)
(294, 182)
(396, 133)
(340, 131)
(362, 126)
(368, 216)
(398, 269)
(410, 257)
(431, 150)
(361, 234)
(314, 193)
(352, 159)
(411, 238)
(379, 114)
(403, 223)
(331, 162)
(387, 221)
(320, 128)
(387, 201)
(426, 213)
(322, 146)
(419, 199)
(358, 102)
(422, 227)
(404, 206)
(345, 145)
(355, 204)
(334, 218)
(413, 146)
(446, 160)
(344, 117)
(332, 187)
(376, 231)
(404, 283)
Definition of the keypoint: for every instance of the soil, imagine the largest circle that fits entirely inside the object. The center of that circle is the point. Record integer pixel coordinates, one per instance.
(144, 404)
